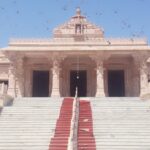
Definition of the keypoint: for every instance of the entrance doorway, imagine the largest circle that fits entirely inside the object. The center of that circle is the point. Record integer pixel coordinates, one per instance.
(116, 85)
(40, 83)
(80, 82)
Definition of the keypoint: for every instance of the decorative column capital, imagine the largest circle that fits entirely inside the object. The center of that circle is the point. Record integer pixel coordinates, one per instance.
(56, 68)
(99, 58)
(100, 70)
(15, 57)
(140, 57)
(140, 61)
(56, 57)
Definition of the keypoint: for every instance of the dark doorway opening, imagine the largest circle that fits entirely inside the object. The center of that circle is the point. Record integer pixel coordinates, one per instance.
(116, 85)
(40, 83)
(4, 81)
(78, 79)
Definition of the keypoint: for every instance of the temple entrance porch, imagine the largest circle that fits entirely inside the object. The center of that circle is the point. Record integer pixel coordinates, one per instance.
(115, 75)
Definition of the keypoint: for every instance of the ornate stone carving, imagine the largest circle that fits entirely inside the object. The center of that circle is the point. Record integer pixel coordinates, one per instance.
(140, 61)
(56, 67)
(16, 75)
(99, 60)
(78, 25)
(12, 81)
(55, 77)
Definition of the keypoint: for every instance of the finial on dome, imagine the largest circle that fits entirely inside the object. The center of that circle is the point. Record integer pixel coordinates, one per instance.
(78, 11)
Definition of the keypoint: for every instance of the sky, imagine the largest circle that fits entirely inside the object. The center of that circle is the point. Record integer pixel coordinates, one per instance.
(38, 18)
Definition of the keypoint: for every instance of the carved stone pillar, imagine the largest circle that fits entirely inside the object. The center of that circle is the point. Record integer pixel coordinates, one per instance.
(140, 79)
(20, 76)
(143, 78)
(135, 77)
(55, 79)
(99, 59)
(100, 79)
(11, 81)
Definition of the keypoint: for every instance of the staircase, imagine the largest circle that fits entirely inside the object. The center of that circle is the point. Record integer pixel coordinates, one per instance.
(29, 124)
(104, 124)
(121, 123)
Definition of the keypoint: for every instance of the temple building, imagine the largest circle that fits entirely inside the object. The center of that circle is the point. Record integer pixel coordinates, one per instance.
(78, 55)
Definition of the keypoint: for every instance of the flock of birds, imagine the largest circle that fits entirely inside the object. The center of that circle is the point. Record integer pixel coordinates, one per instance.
(124, 24)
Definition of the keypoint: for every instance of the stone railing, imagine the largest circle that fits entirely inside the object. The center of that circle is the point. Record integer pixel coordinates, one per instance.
(72, 141)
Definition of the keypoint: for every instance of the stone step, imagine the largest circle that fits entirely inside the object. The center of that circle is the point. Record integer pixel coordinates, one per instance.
(113, 134)
(37, 104)
(31, 140)
(32, 107)
(23, 137)
(111, 98)
(125, 121)
(127, 108)
(29, 113)
(49, 114)
(122, 137)
(27, 122)
(122, 147)
(121, 127)
(24, 105)
(27, 125)
(119, 104)
(130, 140)
(45, 118)
(40, 135)
(9, 144)
(33, 147)
(123, 143)
(27, 129)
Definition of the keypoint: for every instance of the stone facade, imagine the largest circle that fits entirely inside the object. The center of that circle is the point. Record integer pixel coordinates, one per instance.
(80, 56)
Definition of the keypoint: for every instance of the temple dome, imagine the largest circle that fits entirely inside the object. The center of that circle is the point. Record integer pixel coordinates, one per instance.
(78, 27)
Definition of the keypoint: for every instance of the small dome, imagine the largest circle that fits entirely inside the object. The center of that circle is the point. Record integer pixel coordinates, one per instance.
(78, 11)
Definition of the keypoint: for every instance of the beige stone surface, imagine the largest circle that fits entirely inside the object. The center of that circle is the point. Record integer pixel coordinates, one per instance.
(76, 39)
(1, 104)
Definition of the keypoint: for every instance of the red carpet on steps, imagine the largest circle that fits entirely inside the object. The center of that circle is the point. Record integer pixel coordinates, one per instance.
(86, 140)
(62, 130)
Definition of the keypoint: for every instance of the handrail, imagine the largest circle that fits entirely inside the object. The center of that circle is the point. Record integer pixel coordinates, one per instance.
(72, 141)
